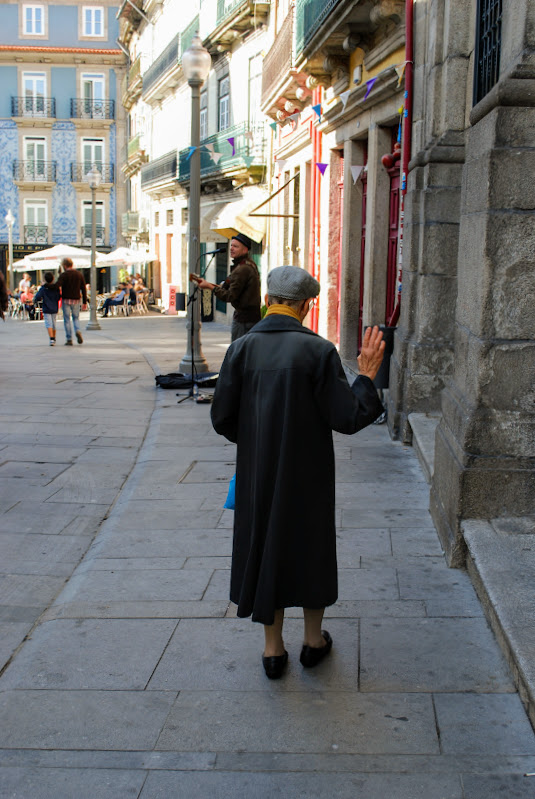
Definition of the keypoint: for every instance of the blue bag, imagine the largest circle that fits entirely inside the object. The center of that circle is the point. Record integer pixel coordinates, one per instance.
(230, 502)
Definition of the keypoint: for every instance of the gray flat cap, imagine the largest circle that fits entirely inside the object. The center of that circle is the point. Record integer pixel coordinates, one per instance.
(292, 283)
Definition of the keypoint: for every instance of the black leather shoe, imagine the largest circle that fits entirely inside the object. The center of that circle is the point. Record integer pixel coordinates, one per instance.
(275, 665)
(312, 655)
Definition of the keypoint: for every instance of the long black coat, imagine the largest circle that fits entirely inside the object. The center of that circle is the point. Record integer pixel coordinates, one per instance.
(281, 391)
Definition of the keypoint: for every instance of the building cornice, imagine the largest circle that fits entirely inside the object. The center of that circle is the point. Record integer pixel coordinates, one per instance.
(20, 48)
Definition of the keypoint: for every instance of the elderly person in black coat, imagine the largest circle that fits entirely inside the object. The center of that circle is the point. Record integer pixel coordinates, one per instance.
(280, 394)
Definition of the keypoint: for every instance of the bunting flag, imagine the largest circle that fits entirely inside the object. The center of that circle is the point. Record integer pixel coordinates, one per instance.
(249, 135)
(191, 151)
(216, 157)
(295, 117)
(344, 97)
(317, 109)
(281, 163)
(400, 71)
(322, 167)
(273, 126)
(355, 171)
(209, 147)
(231, 142)
(369, 86)
(248, 160)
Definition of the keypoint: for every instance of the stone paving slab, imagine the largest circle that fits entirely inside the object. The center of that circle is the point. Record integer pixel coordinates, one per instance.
(103, 654)
(68, 783)
(11, 635)
(483, 723)
(28, 590)
(224, 785)
(83, 719)
(137, 610)
(509, 786)
(414, 655)
(337, 721)
(149, 542)
(380, 583)
(231, 663)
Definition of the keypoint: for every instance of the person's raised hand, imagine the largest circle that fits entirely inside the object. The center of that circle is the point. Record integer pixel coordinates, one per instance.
(371, 353)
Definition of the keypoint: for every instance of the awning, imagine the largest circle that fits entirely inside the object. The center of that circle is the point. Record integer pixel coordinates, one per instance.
(208, 213)
(234, 218)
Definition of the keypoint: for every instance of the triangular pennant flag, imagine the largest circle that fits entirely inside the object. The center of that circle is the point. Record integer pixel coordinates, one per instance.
(369, 86)
(400, 71)
(317, 109)
(191, 151)
(344, 97)
(231, 142)
(281, 163)
(248, 160)
(216, 157)
(209, 147)
(355, 171)
(322, 167)
(249, 135)
(273, 125)
(295, 117)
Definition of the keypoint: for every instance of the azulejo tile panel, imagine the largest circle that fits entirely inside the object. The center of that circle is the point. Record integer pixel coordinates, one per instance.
(64, 194)
(9, 193)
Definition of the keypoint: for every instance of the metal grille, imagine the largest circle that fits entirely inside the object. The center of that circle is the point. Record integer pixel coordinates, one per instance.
(35, 234)
(92, 109)
(167, 59)
(488, 43)
(33, 106)
(309, 17)
(279, 59)
(100, 236)
(79, 171)
(161, 169)
(34, 171)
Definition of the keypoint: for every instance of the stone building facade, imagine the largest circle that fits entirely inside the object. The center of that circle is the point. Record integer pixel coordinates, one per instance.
(465, 348)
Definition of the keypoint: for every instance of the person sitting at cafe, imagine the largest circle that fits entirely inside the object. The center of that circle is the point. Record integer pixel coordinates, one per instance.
(117, 298)
(26, 299)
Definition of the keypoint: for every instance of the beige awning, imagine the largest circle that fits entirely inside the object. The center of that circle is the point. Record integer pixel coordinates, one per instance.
(234, 218)
(208, 213)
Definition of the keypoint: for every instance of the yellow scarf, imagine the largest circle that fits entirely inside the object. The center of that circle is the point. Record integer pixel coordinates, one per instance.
(283, 310)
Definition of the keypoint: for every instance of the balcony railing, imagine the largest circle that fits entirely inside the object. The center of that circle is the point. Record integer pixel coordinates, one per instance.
(79, 172)
(279, 59)
(247, 153)
(225, 8)
(187, 35)
(34, 171)
(36, 234)
(161, 169)
(134, 73)
(33, 107)
(309, 17)
(134, 146)
(100, 235)
(130, 222)
(92, 109)
(165, 61)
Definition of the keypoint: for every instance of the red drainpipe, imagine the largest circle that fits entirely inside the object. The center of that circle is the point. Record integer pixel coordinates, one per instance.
(314, 239)
(406, 142)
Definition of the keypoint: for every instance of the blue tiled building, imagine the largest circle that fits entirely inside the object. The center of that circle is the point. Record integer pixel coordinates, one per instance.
(60, 69)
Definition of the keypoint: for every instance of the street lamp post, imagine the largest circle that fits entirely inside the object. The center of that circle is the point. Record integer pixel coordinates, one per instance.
(196, 63)
(10, 221)
(94, 178)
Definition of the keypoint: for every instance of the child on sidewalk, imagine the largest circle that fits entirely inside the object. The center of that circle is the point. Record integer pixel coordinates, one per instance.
(49, 295)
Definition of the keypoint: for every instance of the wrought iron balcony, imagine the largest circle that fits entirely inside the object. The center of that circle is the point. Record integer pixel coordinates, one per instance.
(33, 107)
(279, 59)
(34, 171)
(79, 172)
(100, 235)
(164, 63)
(36, 234)
(310, 15)
(130, 223)
(160, 170)
(92, 109)
(248, 153)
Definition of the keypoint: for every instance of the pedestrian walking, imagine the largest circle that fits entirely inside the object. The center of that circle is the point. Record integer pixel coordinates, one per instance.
(4, 296)
(241, 288)
(72, 285)
(281, 392)
(49, 296)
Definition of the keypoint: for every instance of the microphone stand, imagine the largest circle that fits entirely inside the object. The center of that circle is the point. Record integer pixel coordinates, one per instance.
(193, 393)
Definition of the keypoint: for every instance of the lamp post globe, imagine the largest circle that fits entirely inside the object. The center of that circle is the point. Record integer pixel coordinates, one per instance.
(94, 179)
(196, 64)
(10, 221)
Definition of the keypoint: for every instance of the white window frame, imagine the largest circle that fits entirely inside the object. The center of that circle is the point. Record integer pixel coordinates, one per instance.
(35, 204)
(95, 140)
(33, 173)
(34, 110)
(100, 206)
(223, 108)
(88, 26)
(34, 7)
(204, 116)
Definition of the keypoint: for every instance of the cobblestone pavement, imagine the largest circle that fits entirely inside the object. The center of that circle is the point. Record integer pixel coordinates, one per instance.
(125, 670)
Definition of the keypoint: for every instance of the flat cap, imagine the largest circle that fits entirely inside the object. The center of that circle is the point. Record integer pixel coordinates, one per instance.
(241, 237)
(292, 283)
